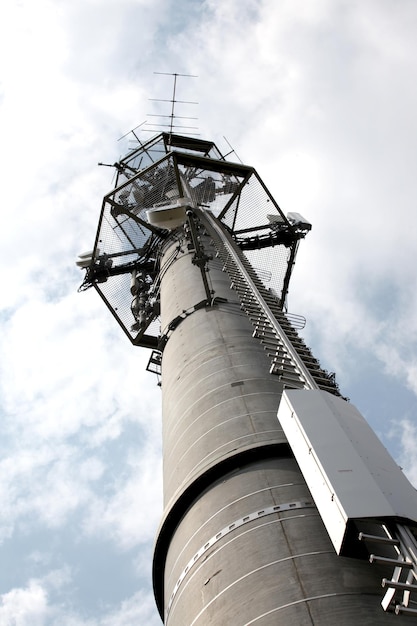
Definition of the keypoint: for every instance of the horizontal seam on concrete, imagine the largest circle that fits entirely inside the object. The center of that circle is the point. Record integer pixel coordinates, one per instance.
(258, 569)
(252, 434)
(196, 381)
(233, 502)
(231, 352)
(256, 444)
(240, 416)
(178, 423)
(286, 606)
(249, 530)
(226, 530)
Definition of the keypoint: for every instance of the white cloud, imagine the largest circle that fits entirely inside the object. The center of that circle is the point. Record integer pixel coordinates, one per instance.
(130, 514)
(30, 605)
(409, 446)
(44, 486)
(33, 605)
(138, 609)
(24, 607)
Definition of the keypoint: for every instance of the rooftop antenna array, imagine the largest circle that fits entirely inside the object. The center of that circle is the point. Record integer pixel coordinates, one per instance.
(116, 165)
(185, 130)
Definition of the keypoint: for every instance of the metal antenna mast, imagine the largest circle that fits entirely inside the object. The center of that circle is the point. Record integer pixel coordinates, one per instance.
(277, 494)
(172, 116)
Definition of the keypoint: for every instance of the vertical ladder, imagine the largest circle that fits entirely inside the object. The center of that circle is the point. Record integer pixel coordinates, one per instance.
(291, 360)
(397, 548)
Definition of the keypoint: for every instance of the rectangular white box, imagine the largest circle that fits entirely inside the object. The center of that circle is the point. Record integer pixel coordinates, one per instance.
(349, 472)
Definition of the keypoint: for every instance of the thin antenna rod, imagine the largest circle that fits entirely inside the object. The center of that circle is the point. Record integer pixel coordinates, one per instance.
(180, 101)
(131, 131)
(179, 117)
(173, 105)
(232, 150)
(176, 74)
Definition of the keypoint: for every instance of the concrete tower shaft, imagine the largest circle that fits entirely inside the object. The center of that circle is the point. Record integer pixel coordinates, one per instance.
(241, 541)
(217, 402)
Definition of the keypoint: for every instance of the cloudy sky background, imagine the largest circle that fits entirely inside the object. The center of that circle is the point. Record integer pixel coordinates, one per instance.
(320, 96)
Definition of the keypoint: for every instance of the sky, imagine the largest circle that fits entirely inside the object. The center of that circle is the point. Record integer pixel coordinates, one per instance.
(320, 97)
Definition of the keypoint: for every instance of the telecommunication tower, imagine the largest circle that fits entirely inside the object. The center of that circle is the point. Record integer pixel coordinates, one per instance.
(277, 494)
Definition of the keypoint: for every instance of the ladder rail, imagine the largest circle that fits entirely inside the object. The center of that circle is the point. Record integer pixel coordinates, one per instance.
(260, 305)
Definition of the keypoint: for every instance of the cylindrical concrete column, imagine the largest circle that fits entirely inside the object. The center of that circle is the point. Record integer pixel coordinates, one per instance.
(241, 541)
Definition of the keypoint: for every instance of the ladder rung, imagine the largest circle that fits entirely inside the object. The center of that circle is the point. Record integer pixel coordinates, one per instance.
(283, 361)
(301, 345)
(262, 324)
(279, 354)
(404, 610)
(279, 351)
(288, 372)
(292, 384)
(308, 359)
(272, 342)
(329, 388)
(320, 378)
(397, 585)
(290, 376)
(323, 384)
(303, 351)
(286, 377)
(378, 539)
(385, 560)
(314, 367)
(264, 334)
